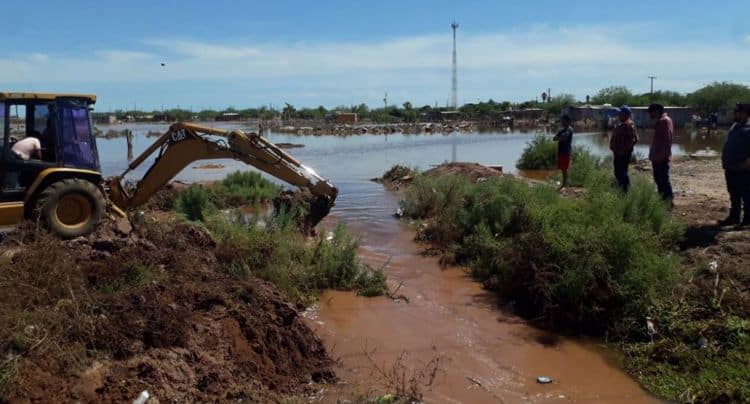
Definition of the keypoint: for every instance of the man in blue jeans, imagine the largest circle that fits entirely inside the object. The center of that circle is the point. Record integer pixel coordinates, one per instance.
(735, 159)
(660, 152)
(623, 140)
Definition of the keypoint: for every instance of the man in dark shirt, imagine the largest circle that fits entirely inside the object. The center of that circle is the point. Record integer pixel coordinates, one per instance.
(623, 140)
(735, 159)
(564, 140)
(660, 152)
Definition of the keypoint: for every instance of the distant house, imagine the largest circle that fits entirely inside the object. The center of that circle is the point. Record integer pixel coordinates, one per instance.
(603, 114)
(228, 116)
(528, 114)
(587, 113)
(443, 116)
(681, 116)
(106, 120)
(350, 118)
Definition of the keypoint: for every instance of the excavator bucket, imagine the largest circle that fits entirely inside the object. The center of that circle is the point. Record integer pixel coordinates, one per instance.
(307, 209)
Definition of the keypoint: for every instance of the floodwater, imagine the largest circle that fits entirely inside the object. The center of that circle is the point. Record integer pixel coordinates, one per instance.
(485, 354)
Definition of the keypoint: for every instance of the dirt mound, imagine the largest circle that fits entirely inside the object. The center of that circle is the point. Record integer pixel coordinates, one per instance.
(102, 318)
(472, 170)
(396, 177)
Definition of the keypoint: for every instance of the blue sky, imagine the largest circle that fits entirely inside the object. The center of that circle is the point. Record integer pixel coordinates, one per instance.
(221, 53)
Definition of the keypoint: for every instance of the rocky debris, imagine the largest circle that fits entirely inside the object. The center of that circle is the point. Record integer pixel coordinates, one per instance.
(381, 129)
(151, 310)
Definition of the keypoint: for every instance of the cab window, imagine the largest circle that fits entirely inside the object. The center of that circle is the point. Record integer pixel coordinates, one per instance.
(79, 149)
(41, 117)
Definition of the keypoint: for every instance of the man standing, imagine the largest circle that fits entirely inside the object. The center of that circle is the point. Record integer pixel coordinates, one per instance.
(735, 159)
(564, 140)
(624, 138)
(660, 152)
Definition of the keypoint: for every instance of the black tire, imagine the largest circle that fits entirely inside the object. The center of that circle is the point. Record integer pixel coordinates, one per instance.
(71, 207)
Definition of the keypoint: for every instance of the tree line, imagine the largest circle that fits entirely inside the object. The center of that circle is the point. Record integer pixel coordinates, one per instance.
(714, 97)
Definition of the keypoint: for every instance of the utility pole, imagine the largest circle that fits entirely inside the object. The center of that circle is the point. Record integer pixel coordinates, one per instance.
(385, 101)
(454, 79)
(652, 84)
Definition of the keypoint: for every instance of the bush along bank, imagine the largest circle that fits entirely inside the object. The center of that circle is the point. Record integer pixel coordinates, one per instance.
(274, 246)
(541, 154)
(601, 263)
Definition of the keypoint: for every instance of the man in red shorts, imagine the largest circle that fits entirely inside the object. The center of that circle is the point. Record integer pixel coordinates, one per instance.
(564, 140)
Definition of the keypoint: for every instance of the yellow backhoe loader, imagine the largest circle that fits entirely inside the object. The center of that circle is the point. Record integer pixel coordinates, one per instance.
(62, 187)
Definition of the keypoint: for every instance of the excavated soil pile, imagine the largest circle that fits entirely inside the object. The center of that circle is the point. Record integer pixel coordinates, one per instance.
(102, 318)
(472, 170)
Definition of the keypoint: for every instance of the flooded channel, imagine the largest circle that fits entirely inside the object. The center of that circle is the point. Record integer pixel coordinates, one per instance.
(485, 353)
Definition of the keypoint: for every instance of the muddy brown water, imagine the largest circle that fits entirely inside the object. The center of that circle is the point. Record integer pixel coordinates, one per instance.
(486, 354)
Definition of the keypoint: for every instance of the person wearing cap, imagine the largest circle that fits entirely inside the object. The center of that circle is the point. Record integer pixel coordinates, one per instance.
(735, 159)
(623, 140)
(564, 138)
(660, 152)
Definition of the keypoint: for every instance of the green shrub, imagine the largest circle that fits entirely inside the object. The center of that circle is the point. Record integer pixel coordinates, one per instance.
(242, 188)
(539, 154)
(195, 202)
(583, 166)
(592, 263)
(278, 253)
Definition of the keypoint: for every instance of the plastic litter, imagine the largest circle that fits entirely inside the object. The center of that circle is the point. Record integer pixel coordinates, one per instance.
(544, 379)
(329, 236)
(713, 266)
(142, 398)
(399, 213)
(651, 328)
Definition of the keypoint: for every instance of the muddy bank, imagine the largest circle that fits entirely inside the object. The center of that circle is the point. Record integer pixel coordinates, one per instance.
(701, 352)
(102, 318)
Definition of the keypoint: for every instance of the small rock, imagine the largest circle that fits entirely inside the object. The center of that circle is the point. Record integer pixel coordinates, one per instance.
(123, 226)
(544, 379)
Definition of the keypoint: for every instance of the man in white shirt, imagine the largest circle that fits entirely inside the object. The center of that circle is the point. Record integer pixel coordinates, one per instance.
(27, 148)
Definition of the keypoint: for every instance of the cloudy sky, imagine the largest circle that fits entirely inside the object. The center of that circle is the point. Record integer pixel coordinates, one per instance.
(221, 53)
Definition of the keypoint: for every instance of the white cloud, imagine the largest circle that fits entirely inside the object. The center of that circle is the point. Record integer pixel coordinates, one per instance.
(503, 65)
(206, 51)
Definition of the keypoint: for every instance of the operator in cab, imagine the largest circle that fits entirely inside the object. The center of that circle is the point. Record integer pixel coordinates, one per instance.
(27, 148)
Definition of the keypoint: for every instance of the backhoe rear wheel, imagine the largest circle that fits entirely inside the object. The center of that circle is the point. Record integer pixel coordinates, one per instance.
(71, 207)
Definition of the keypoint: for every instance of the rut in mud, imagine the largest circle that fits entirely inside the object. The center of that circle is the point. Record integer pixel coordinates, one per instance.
(102, 318)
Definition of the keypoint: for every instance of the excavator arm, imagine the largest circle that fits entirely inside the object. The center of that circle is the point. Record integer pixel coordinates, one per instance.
(185, 143)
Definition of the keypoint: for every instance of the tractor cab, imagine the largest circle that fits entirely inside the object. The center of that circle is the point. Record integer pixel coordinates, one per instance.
(49, 165)
(60, 123)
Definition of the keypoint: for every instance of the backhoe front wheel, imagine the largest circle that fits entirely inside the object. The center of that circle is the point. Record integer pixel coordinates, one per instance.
(71, 207)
